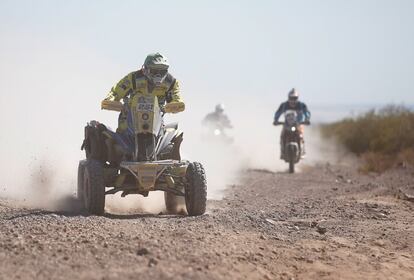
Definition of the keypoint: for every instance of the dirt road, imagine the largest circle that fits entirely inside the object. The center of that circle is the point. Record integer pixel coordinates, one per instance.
(327, 223)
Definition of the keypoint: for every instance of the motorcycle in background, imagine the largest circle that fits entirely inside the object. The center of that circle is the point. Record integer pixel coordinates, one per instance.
(291, 143)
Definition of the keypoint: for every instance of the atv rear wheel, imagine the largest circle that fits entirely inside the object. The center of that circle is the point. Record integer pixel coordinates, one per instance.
(172, 202)
(196, 189)
(93, 187)
(81, 172)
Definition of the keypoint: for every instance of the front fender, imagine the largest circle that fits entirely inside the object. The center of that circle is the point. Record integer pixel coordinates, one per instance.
(292, 151)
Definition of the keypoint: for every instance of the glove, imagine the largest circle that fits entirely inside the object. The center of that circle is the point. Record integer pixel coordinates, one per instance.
(307, 122)
(274, 122)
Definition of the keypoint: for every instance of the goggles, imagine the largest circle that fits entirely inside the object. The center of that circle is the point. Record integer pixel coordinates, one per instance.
(157, 72)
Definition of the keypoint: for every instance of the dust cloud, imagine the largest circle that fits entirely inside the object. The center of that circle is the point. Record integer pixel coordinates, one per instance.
(43, 185)
(48, 94)
(153, 204)
(322, 150)
(44, 119)
(255, 145)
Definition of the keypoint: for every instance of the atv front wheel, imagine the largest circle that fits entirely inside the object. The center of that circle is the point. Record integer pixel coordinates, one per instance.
(93, 187)
(196, 189)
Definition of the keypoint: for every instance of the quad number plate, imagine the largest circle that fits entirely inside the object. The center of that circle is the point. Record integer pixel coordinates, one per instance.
(145, 107)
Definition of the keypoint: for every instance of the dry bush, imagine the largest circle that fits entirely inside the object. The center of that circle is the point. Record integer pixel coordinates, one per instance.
(376, 162)
(406, 157)
(382, 138)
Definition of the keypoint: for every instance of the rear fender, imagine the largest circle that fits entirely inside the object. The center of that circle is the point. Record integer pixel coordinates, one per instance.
(94, 141)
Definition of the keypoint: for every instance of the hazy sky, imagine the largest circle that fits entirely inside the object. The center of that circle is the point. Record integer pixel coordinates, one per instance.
(332, 51)
(59, 58)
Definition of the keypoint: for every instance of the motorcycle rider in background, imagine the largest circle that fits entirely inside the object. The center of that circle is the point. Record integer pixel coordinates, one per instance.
(218, 119)
(152, 78)
(303, 115)
(217, 122)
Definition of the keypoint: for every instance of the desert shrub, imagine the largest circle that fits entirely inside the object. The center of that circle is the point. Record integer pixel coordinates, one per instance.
(376, 162)
(406, 156)
(380, 137)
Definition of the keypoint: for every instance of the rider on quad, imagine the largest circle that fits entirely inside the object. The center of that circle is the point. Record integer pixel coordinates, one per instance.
(303, 115)
(143, 155)
(152, 78)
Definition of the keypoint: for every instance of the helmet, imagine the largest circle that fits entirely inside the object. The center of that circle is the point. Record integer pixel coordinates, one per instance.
(293, 95)
(156, 67)
(219, 108)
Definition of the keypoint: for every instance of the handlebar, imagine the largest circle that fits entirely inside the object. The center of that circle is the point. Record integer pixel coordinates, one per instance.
(281, 123)
(112, 105)
(174, 107)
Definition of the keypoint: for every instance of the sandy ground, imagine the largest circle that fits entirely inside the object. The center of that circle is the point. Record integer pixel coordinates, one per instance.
(328, 222)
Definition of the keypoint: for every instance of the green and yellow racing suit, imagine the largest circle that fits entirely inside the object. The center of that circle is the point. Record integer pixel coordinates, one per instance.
(136, 82)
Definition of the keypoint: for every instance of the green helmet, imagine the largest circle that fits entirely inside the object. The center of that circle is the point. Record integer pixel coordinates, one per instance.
(156, 68)
(156, 61)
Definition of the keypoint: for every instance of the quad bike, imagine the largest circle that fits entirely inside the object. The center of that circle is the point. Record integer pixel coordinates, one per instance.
(143, 158)
(291, 139)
